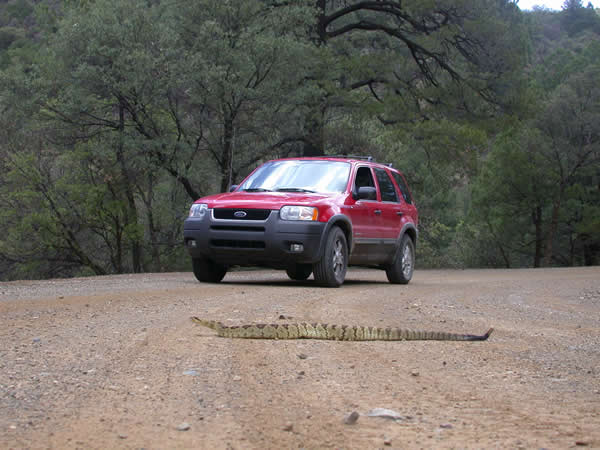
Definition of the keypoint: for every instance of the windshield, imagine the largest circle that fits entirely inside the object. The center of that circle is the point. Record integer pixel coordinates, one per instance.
(299, 176)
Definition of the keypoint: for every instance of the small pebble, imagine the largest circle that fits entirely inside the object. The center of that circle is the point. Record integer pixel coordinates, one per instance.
(122, 436)
(302, 356)
(183, 426)
(288, 426)
(351, 418)
(385, 413)
(387, 441)
(414, 373)
(445, 425)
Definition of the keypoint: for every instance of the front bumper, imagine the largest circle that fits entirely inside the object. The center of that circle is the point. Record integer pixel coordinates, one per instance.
(271, 242)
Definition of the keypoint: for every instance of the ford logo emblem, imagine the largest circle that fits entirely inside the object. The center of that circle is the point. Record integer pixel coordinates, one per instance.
(240, 214)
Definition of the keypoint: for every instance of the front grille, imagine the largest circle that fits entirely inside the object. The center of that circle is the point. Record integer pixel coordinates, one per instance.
(251, 214)
(230, 243)
(237, 228)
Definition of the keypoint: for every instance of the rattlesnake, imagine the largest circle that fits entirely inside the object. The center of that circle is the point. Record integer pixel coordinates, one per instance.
(333, 332)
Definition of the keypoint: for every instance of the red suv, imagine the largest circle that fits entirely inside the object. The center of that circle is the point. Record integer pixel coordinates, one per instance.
(307, 215)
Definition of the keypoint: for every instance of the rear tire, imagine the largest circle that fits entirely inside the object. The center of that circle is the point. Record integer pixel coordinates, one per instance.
(401, 271)
(299, 272)
(208, 271)
(330, 271)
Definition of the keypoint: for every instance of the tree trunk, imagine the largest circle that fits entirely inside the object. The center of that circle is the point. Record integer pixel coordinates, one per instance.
(539, 239)
(313, 133)
(314, 121)
(552, 228)
(227, 160)
(499, 243)
(155, 265)
(130, 210)
(117, 256)
(321, 31)
(591, 254)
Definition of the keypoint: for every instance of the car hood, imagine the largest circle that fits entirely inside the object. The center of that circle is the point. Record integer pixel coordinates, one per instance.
(262, 200)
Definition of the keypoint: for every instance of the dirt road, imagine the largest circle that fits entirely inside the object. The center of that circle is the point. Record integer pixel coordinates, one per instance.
(115, 362)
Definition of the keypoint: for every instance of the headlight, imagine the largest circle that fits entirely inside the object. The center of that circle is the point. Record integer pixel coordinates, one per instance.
(198, 210)
(298, 213)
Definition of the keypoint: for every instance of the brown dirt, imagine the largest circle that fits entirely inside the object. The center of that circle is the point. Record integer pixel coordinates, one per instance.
(115, 362)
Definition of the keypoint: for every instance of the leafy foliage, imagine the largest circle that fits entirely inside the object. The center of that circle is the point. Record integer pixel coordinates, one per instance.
(115, 115)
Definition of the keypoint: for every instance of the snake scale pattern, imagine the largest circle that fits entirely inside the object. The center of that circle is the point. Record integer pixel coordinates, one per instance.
(333, 332)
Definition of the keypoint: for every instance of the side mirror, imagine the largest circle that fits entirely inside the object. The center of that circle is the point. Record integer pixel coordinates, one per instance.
(233, 187)
(367, 193)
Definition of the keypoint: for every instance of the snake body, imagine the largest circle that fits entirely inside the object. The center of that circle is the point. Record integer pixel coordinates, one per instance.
(333, 332)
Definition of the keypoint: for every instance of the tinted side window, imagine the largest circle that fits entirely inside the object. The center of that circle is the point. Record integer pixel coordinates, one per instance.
(388, 192)
(403, 188)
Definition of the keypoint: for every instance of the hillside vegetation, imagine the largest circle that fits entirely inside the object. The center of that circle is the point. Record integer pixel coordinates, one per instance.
(115, 115)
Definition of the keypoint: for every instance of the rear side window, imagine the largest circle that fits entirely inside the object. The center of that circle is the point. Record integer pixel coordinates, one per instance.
(388, 192)
(403, 187)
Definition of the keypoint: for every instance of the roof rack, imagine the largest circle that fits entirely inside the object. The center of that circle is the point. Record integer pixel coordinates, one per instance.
(363, 158)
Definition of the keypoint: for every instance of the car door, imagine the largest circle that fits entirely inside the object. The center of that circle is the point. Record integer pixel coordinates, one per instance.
(366, 220)
(392, 212)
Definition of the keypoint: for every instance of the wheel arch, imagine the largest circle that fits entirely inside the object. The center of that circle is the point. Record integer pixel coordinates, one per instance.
(411, 231)
(343, 222)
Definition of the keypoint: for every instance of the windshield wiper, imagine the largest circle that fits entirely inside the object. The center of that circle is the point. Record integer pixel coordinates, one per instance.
(257, 190)
(293, 189)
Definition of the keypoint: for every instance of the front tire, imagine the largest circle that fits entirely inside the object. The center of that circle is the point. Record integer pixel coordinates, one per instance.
(299, 272)
(401, 271)
(208, 271)
(330, 271)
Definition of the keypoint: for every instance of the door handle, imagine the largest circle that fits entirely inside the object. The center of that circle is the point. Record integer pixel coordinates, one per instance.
(377, 212)
(399, 213)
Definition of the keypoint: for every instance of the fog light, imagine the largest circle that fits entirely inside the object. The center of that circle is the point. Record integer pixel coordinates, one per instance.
(297, 248)
(192, 243)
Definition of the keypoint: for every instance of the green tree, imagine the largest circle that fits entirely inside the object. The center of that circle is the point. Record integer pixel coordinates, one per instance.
(576, 18)
(130, 94)
(418, 59)
(105, 65)
(571, 121)
(44, 223)
(512, 194)
(243, 67)
(537, 188)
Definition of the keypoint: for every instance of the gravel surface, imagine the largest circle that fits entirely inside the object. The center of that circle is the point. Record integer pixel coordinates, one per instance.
(115, 362)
